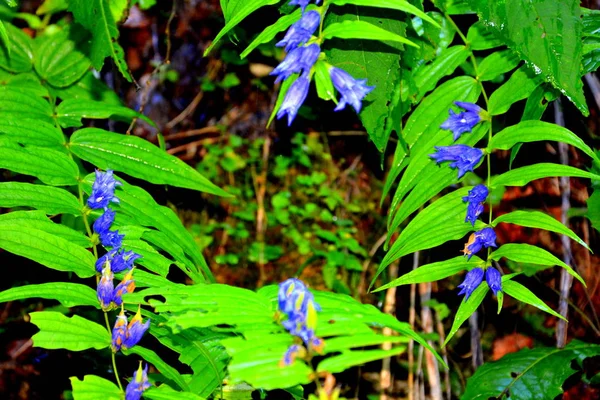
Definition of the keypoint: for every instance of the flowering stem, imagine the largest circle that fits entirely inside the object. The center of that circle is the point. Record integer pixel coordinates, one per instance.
(490, 131)
(86, 223)
(112, 354)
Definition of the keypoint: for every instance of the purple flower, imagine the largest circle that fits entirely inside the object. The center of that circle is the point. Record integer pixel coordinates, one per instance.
(286, 290)
(290, 355)
(301, 31)
(302, 3)
(107, 258)
(127, 285)
(105, 288)
(463, 121)
(476, 197)
(103, 190)
(112, 239)
(103, 223)
(298, 60)
(138, 384)
(123, 260)
(353, 91)
(135, 331)
(481, 239)
(472, 280)
(494, 279)
(463, 157)
(294, 98)
(119, 332)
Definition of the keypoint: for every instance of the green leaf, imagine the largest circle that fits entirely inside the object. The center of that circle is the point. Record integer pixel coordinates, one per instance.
(71, 111)
(533, 131)
(58, 59)
(341, 343)
(60, 332)
(32, 131)
(434, 271)
(165, 392)
(17, 55)
(441, 221)
(151, 258)
(49, 199)
(88, 88)
(138, 158)
(271, 31)
(400, 5)
(350, 359)
(536, 219)
(593, 211)
(362, 30)
(323, 81)
(521, 293)
(68, 294)
(50, 166)
(522, 176)
(427, 77)
(96, 17)
(377, 62)
(45, 248)
(52, 7)
(480, 37)
(165, 369)
(93, 387)
(496, 64)
(237, 11)
(466, 308)
(4, 38)
(546, 34)
(39, 220)
(526, 253)
(520, 86)
(528, 374)
(18, 102)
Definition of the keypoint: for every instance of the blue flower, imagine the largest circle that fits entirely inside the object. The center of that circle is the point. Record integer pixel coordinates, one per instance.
(286, 290)
(119, 260)
(127, 285)
(107, 258)
(105, 288)
(302, 3)
(463, 121)
(291, 353)
(494, 279)
(138, 384)
(463, 157)
(472, 280)
(294, 98)
(112, 239)
(301, 31)
(481, 239)
(353, 91)
(103, 190)
(135, 330)
(102, 224)
(119, 332)
(298, 60)
(476, 197)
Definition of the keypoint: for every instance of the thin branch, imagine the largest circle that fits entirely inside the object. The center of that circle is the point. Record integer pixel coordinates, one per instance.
(476, 350)
(431, 363)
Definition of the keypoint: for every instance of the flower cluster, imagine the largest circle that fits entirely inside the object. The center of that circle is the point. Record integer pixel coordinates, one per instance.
(463, 157)
(466, 158)
(138, 384)
(124, 334)
(115, 260)
(298, 303)
(302, 54)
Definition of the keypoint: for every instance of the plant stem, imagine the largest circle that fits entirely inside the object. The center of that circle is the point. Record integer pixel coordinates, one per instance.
(114, 361)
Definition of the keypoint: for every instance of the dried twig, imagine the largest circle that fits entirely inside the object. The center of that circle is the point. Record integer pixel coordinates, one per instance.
(476, 350)
(566, 280)
(431, 363)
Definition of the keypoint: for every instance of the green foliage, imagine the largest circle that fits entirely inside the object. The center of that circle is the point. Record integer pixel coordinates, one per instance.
(529, 373)
(60, 332)
(96, 17)
(93, 387)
